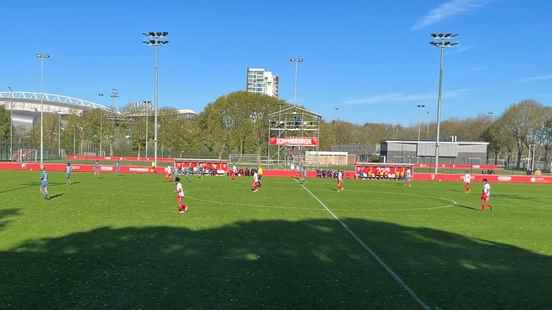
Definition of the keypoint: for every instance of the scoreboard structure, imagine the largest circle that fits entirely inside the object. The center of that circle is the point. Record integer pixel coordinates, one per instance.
(292, 131)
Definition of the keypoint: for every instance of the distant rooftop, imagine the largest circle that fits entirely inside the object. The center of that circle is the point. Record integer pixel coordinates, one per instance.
(186, 111)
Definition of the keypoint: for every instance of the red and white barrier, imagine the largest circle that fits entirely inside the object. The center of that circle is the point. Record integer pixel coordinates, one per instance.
(449, 177)
(441, 177)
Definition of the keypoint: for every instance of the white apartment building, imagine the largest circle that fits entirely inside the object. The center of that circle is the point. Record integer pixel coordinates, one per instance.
(261, 81)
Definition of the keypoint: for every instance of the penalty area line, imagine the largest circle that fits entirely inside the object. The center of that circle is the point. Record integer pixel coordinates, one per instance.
(375, 256)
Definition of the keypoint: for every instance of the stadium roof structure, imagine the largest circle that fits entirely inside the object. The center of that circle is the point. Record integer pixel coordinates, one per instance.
(186, 111)
(50, 99)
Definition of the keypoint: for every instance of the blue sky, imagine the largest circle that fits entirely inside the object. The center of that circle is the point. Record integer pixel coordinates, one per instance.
(369, 58)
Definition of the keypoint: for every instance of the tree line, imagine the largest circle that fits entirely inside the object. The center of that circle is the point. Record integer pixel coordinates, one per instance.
(237, 123)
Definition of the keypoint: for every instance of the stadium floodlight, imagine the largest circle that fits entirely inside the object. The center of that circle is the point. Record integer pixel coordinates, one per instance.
(42, 57)
(441, 40)
(296, 61)
(156, 40)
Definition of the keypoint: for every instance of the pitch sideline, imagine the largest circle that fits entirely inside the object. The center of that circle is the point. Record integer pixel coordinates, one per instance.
(375, 256)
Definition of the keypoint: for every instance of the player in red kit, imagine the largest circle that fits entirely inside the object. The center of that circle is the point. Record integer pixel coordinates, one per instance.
(467, 182)
(255, 184)
(486, 196)
(340, 186)
(182, 207)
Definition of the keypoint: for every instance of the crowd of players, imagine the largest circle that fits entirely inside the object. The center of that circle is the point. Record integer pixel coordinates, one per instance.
(257, 176)
(383, 173)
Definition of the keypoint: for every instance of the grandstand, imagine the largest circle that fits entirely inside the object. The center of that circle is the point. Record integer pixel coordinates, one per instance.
(26, 106)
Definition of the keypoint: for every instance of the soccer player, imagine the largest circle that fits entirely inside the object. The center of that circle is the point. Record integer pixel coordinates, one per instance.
(408, 177)
(117, 166)
(68, 173)
(467, 182)
(97, 167)
(340, 186)
(486, 196)
(182, 207)
(168, 173)
(44, 183)
(255, 184)
(234, 172)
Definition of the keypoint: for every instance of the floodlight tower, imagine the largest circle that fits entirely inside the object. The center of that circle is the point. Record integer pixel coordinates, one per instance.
(156, 40)
(296, 61)
(441, 40)
(42, 57)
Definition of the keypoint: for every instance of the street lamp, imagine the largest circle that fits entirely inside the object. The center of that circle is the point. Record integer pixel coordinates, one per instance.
(296, 61)
(155, 40)
(442, 41)
(11, 122)
(42, 57)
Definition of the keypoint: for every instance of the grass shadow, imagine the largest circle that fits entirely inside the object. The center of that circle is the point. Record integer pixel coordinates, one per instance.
(14, 189)
(270, 264)
(466, 207)
(6, 213)
(56, 196)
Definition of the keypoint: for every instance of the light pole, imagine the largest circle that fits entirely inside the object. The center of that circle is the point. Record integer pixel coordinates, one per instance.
(114, 96)
(155, 40)
(59, 134)
(80, 131)
(101, 125)
(146, 105)
(442, 41)
(42, 57)
(420, 107)
(11, 123)
(75, 141)
(296, 61)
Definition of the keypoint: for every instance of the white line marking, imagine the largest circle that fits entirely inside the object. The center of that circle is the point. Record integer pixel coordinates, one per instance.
(245, 205)
(357, 210)
(372, 253)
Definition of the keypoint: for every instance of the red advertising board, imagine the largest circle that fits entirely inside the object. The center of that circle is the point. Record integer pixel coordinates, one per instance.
(294, 141)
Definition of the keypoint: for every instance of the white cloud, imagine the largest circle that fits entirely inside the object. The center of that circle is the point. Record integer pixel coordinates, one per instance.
(405, 98)
(546, 77)
(446, 10)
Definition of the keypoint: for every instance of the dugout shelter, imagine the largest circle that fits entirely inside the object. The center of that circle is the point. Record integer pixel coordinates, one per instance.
(382, 171)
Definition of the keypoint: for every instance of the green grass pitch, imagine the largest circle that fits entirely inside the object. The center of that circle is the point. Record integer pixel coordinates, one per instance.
(117, 242)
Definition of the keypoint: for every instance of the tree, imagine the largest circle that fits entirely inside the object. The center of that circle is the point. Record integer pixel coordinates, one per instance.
(521, 121)
(237, 123)
(544, 138)
(500, 141)
(4, 123)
